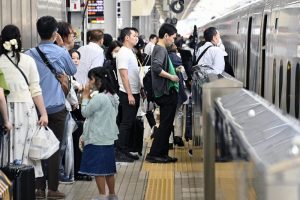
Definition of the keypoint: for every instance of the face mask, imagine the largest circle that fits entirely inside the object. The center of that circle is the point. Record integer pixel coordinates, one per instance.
(219, 43)
(114, 55)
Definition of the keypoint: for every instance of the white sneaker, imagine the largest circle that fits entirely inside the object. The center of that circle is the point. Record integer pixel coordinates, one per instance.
(101, 197)
(112, 197)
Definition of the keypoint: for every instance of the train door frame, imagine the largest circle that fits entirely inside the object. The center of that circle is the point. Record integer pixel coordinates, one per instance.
(263, 51)
(297, 90)
(274, 62)
(248, 51)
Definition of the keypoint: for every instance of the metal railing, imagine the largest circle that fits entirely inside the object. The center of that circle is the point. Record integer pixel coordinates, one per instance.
(263, 142)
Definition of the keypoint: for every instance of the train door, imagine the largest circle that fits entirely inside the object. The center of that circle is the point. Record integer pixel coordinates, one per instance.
(253, 46)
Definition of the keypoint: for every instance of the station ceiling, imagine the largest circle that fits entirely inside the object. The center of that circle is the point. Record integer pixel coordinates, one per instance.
(165, 12)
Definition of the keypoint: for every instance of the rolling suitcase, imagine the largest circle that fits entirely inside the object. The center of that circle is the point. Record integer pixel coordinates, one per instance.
(22, 176)
(23, 180)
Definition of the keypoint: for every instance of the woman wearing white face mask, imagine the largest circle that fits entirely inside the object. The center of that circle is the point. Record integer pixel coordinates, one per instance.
(210, 53)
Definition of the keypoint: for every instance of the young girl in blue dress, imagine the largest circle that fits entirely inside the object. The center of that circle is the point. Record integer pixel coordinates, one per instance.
(100, 130)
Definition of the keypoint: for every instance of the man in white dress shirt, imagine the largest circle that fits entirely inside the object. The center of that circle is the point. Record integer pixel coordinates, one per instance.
(214, 55)
(92, 55)
(152, 42)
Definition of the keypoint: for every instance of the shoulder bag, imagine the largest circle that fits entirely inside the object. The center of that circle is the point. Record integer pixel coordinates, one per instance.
(16, 65)
(63, 79)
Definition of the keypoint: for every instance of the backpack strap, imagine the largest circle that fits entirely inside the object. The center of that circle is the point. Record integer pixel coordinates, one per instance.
(198, 59)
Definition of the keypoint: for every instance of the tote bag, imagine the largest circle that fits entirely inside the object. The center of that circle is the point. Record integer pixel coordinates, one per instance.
(43, 144)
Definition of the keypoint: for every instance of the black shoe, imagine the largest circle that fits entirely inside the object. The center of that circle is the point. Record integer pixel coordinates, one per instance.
(121, 157)
(132, 156)
(171, 159)
(178, 141)
(157, 159)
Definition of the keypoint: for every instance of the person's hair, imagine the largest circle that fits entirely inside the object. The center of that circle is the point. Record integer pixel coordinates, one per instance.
(179, 42)
(8, 33)
(166, 29)
(74, 51)
(135, 29)
(140, 44)
(96, 35)
(103, 79)
(111, 47)
(64, 29)
(125, 32)
(107, 39)
(46, 26)
(172, 48)
(152, 36)
(209, 33)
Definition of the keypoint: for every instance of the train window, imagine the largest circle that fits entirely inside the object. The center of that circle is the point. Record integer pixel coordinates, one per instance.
(280, 81)
(288, 86)
(274, 82)
(263, 60)
(297, 84)
(248, 52)
(276, 23)
(238, 28)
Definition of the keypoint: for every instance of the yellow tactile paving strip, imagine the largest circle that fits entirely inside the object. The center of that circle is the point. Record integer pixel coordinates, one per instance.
(161, 177)
(160, 185)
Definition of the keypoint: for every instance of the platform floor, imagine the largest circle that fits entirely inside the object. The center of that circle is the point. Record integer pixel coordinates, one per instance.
(141, 180)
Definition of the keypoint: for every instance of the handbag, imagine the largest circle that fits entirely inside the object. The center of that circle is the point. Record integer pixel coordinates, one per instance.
(43, 144)
(63, 79)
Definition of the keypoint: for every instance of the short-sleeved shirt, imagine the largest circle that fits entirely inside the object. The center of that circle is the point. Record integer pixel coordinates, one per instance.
(213, 57)
(126, 59)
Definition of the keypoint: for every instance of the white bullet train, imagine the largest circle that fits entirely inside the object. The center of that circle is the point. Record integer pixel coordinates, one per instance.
(262, 39)
(24, 14)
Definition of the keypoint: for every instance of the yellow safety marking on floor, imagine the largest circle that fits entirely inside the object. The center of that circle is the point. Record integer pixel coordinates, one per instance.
(161, 177)
(160, 185)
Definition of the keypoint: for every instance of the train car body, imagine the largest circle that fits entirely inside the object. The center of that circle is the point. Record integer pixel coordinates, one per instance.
(262, 39)
(24, 14)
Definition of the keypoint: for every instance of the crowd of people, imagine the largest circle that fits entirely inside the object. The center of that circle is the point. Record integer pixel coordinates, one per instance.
(106, 85)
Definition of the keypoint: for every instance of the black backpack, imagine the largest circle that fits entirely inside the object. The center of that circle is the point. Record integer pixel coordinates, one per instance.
(147, 81)
(111, 68)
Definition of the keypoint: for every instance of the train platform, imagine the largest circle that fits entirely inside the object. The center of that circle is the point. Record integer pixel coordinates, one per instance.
(142, 180)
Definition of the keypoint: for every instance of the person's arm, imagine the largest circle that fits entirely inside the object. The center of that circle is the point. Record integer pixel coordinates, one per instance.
(39, 102)
(218, 61)
(89, 106)
(125, 81)
(157, 66)
(3, 110)
(36, 92)
(122, 66)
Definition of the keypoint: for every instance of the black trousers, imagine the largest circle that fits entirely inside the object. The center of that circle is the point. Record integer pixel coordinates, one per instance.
(167, 107)
(51, 165)
(127, 121)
